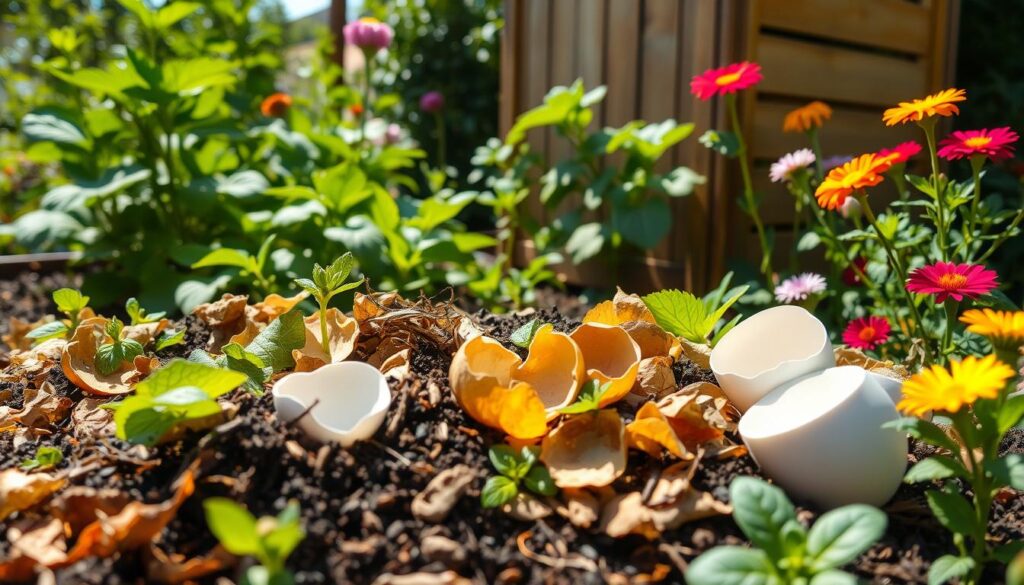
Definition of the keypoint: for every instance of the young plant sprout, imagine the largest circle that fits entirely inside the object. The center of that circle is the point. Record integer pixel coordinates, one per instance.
(269, 539)
(140, 316)
(326, 283)
(515, 468)
(71, 303)
(110, 356)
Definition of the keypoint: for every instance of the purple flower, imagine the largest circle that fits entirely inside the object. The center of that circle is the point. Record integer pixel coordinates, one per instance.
(800, 287)
(369, 34)
(785, 167)
(432, 102)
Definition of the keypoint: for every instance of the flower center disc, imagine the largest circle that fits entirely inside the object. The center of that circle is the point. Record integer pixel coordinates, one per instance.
(729, 78)
(867, 333)
(977, 141)
(952, 281)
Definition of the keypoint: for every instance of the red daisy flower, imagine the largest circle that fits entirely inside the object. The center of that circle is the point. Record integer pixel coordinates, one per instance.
(867, 332)
(995, 143)
(850, 276)
(902, 152)
(945, 279)
(725, 80)
(275, 105)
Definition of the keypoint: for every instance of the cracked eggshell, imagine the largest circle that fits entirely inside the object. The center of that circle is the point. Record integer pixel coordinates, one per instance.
(821, 438)
(767, 350)
(353, 401)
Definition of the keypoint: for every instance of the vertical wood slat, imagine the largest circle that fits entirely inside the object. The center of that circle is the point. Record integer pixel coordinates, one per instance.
(537, 45)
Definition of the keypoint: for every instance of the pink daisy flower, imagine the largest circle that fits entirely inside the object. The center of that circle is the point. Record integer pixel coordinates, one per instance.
(995, 143)
(867, 332)
(945, 279)
(800, 287)
(902, 152)
(785, 167)
(725, 80)
(369, 34)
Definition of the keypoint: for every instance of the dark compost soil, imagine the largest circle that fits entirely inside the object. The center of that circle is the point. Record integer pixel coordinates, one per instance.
(356, 503)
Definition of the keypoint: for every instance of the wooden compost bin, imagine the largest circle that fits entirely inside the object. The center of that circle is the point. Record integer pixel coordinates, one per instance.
(860, 56)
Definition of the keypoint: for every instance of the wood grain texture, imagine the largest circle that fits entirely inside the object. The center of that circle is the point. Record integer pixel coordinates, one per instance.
(897, 25)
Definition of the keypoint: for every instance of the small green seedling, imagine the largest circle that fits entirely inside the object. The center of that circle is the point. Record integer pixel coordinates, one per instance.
(523, 336)
(784, 552)
(589, 399)
(178, 392)
(250, 265)
(269, 539)
(516, 468)
(326, 283)
(110, 356)
(140, 316)
(169, 338)
(70, 302)
(683, 314)
(45, 458)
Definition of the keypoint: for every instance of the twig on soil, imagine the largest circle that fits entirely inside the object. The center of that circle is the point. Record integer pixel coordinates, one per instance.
(303, 413)
(401, 458)
(573, 561)
(675, 554)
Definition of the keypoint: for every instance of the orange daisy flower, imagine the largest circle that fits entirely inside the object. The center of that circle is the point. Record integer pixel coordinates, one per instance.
(802, 119)
(275, 105)
(864, 171)
(939, 104)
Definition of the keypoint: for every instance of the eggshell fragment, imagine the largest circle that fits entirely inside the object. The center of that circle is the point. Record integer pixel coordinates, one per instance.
(586, 450)
(554, 368)
(611, 356)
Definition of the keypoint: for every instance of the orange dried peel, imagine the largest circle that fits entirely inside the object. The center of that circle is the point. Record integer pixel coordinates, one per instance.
(586, 450)
(342, 332)
(611, 357)
(554, 368)
(651, 431)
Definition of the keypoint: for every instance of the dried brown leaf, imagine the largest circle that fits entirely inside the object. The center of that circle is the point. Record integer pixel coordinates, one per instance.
(20, 490)
(78, 361)
(442, 493)
(586, 450)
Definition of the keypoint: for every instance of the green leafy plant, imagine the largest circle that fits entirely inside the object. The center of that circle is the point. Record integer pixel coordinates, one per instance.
(326, 283)
(70, 302)
(45, 458)
(110, 356)
(589, 399)
(516, 468)
(683, 314)
(178, 392)
(140, 316)
(169, 338)
(784, 552)
(270, 540)
(251, 266)
(523, 336)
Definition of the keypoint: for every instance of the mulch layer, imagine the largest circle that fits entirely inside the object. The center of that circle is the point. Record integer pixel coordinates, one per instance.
(356, 503)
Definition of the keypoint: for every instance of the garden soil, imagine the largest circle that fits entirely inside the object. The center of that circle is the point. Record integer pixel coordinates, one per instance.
(356, 503)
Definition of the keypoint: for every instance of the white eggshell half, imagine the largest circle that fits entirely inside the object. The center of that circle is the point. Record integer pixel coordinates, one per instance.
(768, 349)
(821, 438)
(353, 401)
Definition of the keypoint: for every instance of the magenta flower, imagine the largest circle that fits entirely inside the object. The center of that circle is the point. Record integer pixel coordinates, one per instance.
(789, 164)
(369, 34)
(800, 287)
(867, 332)
(945, 279)
(995, 143)
(725, 80)
(432, 102)
(902, 152)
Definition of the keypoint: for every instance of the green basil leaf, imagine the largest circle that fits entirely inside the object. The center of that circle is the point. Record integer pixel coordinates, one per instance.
(733, 565)
(761, 510)
(952, 511)
(949, 567)
(498, 491)
(504, 459)
(935, 467)
(840, 535)
(538, 480)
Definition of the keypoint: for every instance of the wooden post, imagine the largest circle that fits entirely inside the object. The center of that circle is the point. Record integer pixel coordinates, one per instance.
(336, 19)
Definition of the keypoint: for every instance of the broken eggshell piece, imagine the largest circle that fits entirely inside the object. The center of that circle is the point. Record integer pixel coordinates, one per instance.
(821, 438)
(353, 401)
(767, 350)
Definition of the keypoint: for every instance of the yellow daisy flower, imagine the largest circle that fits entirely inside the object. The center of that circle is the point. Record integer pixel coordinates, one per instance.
(1005, 329)
(804, 118)
(938, 389)
(939, 104)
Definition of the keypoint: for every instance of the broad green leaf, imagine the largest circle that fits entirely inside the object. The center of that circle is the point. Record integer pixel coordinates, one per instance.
(240, 360)
(761, 510)
(274, 345)
(1008, 470)
(840, 535)
(505, 460)
(171, 13)
(935, 467)
(952, 511)
(51, 330)
(680, 313)
(45, 458)
(1011, 413)
(733, 565)
(53, 128)
(233, 526)
(538, 480)
(680, 182)
(226, 257)
(472, 241)
(948, 567)
(168, 339)
(586, 242)
(498, 491)
(925, 431)
(181, 396)
(189, 77)
(177, 373)
(646, 224)
(243, 184)
(722, 142)
(70, 301)
(433, 212)
(523, 336)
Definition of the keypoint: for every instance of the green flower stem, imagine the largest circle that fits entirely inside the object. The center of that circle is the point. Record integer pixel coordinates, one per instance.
(894, 259)
(977, 162)
(947, 348)
(365, 113)
(928, 125)
(324, 341)
(963, 422)
(816, 147)
(748, 191)
(1003, 236)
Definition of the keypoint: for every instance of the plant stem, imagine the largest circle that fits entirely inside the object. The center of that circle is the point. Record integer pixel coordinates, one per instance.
(323, 331)
(816, 146)
(977, 162)
(947, 335)
(365, 112)
(1005, 235)
(928, 125)
(748, 191)
(894, 259)
(963, 422)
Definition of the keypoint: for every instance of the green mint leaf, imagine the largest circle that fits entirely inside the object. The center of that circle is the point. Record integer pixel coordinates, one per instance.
(233, 526)
(498, 491)
(733, 565)
(274, 344)
(169, 338)
(952, 511)
(935, 467)
(45, 458)
(505, 460)
(524, 335)
(839, 536)
(924, 431)
(340, 269)
(226, 257)
(538, 480)
(679, 313)
(589, 398)
(761, 510)
(143, 425)
(948, 567)
(238, 359)
(114, 328)
(214, 381)
(51, 330)
(69, 301)
(108, 358)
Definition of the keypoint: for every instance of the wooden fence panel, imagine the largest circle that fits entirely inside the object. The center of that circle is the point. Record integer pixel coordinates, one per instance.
(859, 55)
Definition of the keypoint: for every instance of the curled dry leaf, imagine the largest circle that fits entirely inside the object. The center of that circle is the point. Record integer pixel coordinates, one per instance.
(422, 578)
(554, 368)
(78, 361)
(527, 508)
(42, 407)
(32, 366)
(33, 543)
(225, 317)
(273, 306)
(342, 332)
(586, 450)
(16, 339)
(611, 357)
(91, 421)
(175, 568)
(699, 414)
(442, 493)
(579, 506)
(697, 353)
(651, 431)
(366, 307)
(630, 311)
(851, 356)
(20, 490)
(145, 333)
(655, 378)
